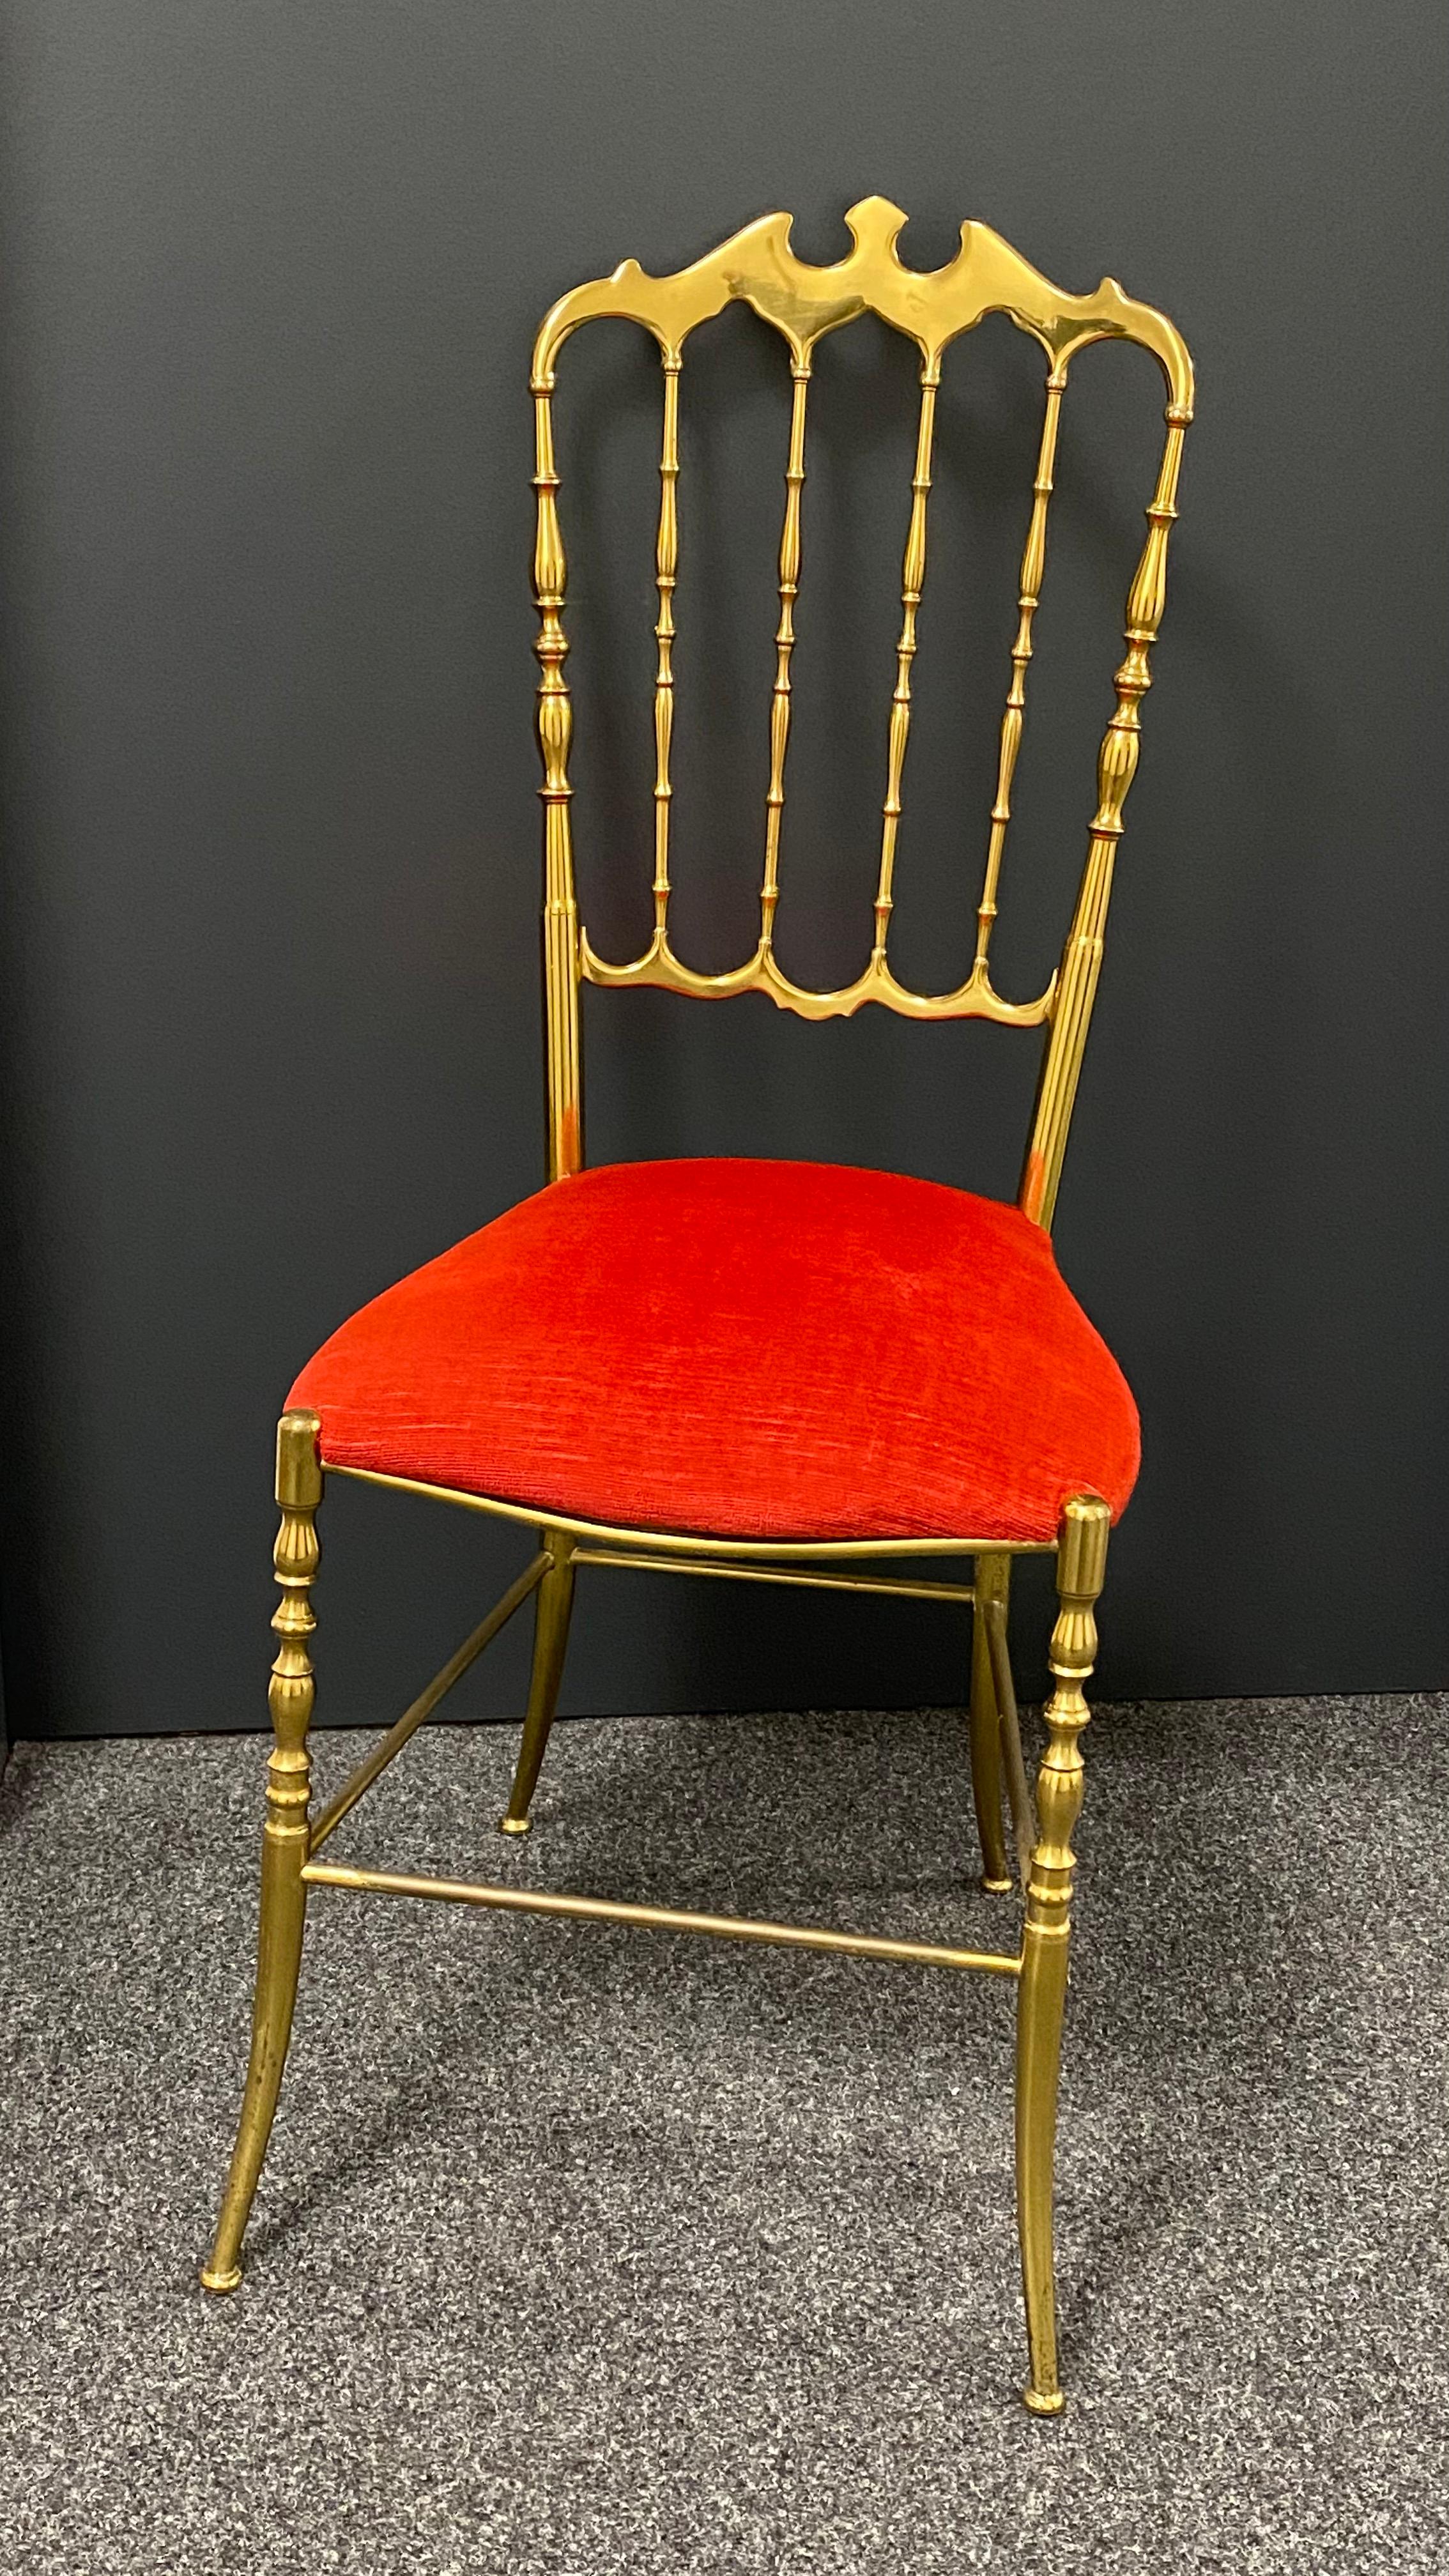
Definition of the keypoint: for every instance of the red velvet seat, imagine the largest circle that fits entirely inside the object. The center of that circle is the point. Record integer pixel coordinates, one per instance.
(749, 1349)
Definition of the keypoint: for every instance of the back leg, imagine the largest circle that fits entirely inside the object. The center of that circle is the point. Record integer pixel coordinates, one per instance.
(1018, 1787)
(993, 1575)
(554, 1602)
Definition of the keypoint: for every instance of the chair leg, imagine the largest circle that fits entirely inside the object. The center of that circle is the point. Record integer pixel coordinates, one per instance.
(284, 1839)
(554, 1602)
(1081, 1563)
(992, 1577)
(1018, 1787)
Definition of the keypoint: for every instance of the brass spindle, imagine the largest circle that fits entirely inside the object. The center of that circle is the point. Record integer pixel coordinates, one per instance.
(666, 559)
(1032, 563)
(555, 733)
(913, 574)
(784, 648)
(285, 1837)
(1116, 768)
(1081, 1566)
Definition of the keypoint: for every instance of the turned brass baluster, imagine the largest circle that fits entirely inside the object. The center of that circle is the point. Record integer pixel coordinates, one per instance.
(1081, 1564)
(666, 562)
(784, 648)
(555, 733)
(913, 575)
(1116, 768)
(285, 1837)
(1033, 562)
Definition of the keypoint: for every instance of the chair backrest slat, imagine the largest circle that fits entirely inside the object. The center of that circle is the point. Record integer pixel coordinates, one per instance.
(1033, 564)
(666, 561)
(913, 578)
(803, 303)
(784, 648)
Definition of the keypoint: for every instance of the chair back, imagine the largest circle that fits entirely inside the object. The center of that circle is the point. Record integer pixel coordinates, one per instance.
(803, 303)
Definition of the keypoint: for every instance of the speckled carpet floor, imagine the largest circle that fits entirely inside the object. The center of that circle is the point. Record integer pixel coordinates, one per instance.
(596, 2253)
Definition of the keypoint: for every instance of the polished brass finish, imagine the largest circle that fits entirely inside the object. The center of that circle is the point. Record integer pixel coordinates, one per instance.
(1033, 563)
(913, 575)
(993, 1574)
(666, 558)
(1081, 1565)
(555, 732)
(361, 1780)
(1116, 769)
(784, 648)
(956, 1593)
(284, 1837)
(687, 1544)
(803, 303)
(664, 1918)
(550, 1644)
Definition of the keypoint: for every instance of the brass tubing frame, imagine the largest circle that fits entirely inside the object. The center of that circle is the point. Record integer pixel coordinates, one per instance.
(952, 1592)
(803, 303)
(662, 1918)
(360, 1781)
(688, 1545)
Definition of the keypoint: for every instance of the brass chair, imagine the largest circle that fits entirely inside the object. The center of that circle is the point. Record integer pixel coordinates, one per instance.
(529, 1372)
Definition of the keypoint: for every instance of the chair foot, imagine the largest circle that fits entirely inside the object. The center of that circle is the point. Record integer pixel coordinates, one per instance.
(220, 2282)
(1040, 2401)
(515, 1824)
(999, 1886)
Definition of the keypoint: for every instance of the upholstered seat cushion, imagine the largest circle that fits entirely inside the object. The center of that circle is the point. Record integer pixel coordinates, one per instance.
(754, 1349)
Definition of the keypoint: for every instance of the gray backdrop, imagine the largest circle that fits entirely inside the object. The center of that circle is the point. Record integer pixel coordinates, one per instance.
(269, 955)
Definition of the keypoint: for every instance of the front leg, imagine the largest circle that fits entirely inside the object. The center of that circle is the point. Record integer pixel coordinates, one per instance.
(285, 1837)
(1081, 1564)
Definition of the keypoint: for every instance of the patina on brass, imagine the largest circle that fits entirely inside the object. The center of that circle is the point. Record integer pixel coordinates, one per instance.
(802, 303)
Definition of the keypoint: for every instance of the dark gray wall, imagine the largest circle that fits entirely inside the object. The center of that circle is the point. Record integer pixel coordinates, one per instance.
(269, 956)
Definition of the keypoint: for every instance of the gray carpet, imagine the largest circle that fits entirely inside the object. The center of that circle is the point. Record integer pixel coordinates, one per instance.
(594, 2253)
